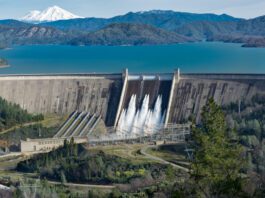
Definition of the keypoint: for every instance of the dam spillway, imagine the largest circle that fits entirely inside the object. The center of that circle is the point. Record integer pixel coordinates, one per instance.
(143, 121)
(107, 95)
(144, 103)
(151, 85)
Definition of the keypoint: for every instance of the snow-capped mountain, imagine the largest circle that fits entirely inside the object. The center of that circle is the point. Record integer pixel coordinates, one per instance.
(54, 13)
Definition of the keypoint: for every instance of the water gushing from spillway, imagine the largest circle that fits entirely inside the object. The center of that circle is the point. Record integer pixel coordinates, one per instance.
(143, 121)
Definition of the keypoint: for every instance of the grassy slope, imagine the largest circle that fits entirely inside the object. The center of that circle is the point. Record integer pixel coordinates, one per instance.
(49, 121)
(172, 153)
(127, 152)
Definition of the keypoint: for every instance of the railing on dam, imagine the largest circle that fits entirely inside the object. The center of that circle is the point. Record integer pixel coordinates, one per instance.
(170, 133)
(223, 76)
(63, 75)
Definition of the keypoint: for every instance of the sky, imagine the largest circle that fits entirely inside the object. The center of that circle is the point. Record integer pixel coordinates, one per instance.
(108, 8)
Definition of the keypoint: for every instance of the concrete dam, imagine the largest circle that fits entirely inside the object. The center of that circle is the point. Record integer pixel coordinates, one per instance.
(64, 94)
(167, 98)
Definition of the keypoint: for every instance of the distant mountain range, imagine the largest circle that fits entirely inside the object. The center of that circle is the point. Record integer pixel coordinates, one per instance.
(139, 28)
(167, 20)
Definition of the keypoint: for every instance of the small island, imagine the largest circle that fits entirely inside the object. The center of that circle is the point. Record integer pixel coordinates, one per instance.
(3, 63)
(3, 46)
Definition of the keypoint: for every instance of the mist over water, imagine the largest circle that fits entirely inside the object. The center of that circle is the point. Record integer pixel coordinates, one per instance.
(143, 121)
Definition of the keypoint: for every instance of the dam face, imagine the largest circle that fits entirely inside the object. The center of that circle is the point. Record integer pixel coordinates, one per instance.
(63, 94)
(192, 91)
(172, 98)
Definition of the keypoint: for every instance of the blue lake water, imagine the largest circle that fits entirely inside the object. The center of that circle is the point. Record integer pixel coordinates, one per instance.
(191, 57)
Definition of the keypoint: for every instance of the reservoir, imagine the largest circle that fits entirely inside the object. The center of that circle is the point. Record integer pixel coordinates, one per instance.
(205, 57)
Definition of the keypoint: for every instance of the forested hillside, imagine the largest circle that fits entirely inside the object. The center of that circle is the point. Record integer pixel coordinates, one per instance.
(248, 120)
(129, 34)
(12, 114)
(73, 163)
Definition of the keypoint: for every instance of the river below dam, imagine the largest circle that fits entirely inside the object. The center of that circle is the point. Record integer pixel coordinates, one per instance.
(205, 57)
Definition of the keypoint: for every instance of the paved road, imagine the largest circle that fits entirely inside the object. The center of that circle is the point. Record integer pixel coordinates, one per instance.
(13, 154)
(84, 185)
(33, 176)
(144, 149)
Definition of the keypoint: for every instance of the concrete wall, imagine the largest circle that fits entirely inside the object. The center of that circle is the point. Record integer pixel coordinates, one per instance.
(64, 94)
(193, 90)
(101, 94)
(35, 145)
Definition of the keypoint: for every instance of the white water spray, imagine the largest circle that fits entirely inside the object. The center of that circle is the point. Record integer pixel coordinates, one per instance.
(142, 122)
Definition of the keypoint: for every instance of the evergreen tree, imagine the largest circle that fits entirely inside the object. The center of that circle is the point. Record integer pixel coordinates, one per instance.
(63, 178)
(217, 159)
(12, 114)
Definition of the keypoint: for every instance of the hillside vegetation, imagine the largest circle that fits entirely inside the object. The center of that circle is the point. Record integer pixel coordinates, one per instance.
(14, 32)
(129, 34)
(142, 28)
(34, 131)
(248, 120)
(12, 114)
(219, 160)
(73, 163)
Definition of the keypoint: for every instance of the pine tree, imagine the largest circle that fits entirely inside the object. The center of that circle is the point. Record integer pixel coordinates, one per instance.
(63, 178)
(217, 160)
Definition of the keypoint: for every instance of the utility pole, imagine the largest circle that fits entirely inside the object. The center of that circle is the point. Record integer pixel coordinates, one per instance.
(39, 131)
(239, 107)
